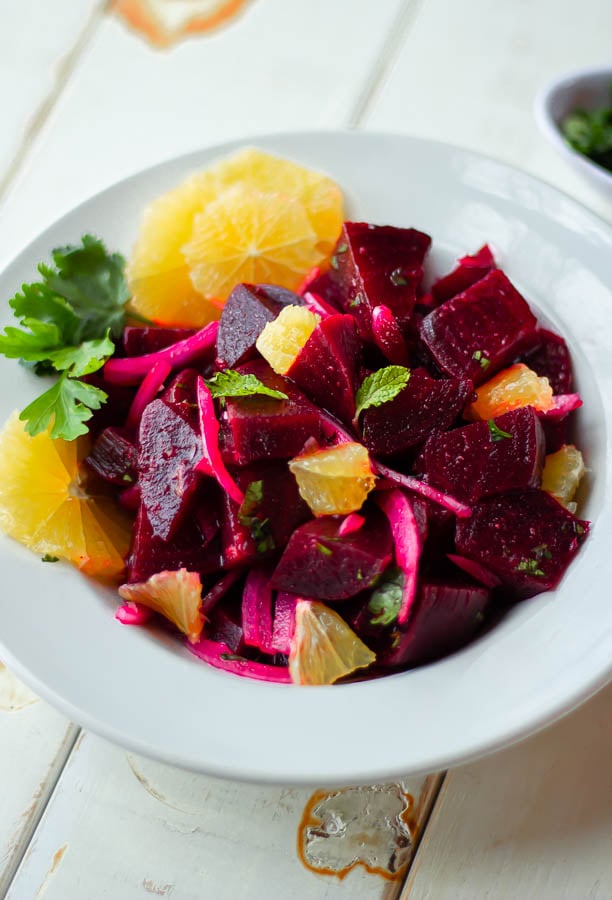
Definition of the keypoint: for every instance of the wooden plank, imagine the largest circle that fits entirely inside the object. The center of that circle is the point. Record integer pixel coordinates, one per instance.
(468, 73)
(37, 41)
(119, 825)
(34, 744)
(278, 66)
(533, 821)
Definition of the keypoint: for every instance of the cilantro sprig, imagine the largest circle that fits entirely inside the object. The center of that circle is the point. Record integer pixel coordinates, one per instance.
(380, 387)
(68, 320)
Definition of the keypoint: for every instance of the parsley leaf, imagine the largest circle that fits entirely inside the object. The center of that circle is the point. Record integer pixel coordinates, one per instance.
(386, 601)
(69, 404)
(480, 357)
(232, 384)
(323, 550)
(252, 498)
(496, 433)
(531, 566)
(380, 387)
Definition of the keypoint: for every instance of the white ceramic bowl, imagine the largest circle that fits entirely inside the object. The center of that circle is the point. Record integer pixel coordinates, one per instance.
(584, 88)
(143, 690)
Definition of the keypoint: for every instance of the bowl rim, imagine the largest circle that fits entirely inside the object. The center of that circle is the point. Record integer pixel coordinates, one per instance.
(597, 673)
(549, 127)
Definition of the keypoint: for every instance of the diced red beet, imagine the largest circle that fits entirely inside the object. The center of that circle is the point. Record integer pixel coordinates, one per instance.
(319, 563)
(525, 537)
(322, 284)
(114, 457)
(482, 459)
(281, 507)
(284, 621)
(489, 322)
(264, 428)
(186, 550)
(475, 570)
(446, 615)
(181, 395)
(247, 311)
(425, 405)
(170, 449)
(225, 627)
(326, 367)
(377, 264)
(551, 359)
(138, 340)
(217, 592)
(317, 305)
(468, 271)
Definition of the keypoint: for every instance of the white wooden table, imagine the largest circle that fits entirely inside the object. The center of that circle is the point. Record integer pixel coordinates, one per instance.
(86, 100)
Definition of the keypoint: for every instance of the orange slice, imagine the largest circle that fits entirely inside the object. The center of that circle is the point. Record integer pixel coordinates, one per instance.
(335, 481)
(282, 339)
(45, 506)
(324, 648)
(562, 473)
(510, 389)
(176, 595)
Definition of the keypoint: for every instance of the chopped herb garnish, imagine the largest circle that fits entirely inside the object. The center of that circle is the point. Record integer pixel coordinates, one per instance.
(48, 557)
(496, 433)
(324, 550)
(356, 301)
(127, 478)
(480, 357)
(542, 552)
(341, 248)
(261, 534)
(381, 387)
(359, 575)
(590, 133)
(232, 384)
(334, 262)
(398, 278)
(259, 528)
(252, 498)
(232, 657)
(386, 600)
(531, 566)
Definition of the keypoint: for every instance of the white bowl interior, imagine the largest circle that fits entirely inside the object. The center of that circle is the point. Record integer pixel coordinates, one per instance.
(141, 689)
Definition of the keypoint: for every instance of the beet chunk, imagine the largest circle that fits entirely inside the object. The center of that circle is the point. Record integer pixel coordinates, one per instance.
(247, 311)
(446, 615)
(376, 264)
(187, 549)
(489, 321)
(468, 271)
(551, 359)
(113, 457)
(318, 563)
(138, 340)
(264, 428)
(478, 460)
(170, 449)
(525, 537)
(326, 367)
(425, 405)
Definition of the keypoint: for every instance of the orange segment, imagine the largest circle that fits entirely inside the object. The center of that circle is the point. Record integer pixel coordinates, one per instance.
(248, 235)
(335, 481)
(510, 389)
(562, 473)
(43, 504)
(282, 339)
(324, 648)
(278, 220)
(176, 595)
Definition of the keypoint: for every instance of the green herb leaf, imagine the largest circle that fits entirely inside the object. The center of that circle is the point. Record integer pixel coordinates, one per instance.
(325, 551)
(531, 566)
(261, 534)
(496, 433)
(83, 359)
(356, 301)
(252, 498)
(480, 357)
(68, 404)
(49, 558)
(381, 387)
(386, 600)
(342, 248)
(232, 384)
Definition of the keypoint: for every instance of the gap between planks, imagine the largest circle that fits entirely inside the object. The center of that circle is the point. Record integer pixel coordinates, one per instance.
(65, 69)
(38, 807)
(391, 49)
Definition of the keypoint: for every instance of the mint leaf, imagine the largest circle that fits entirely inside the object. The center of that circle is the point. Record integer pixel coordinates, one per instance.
(68, 405)
(386, 601)
(232, 384)
(380, 387)
(496, 433)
